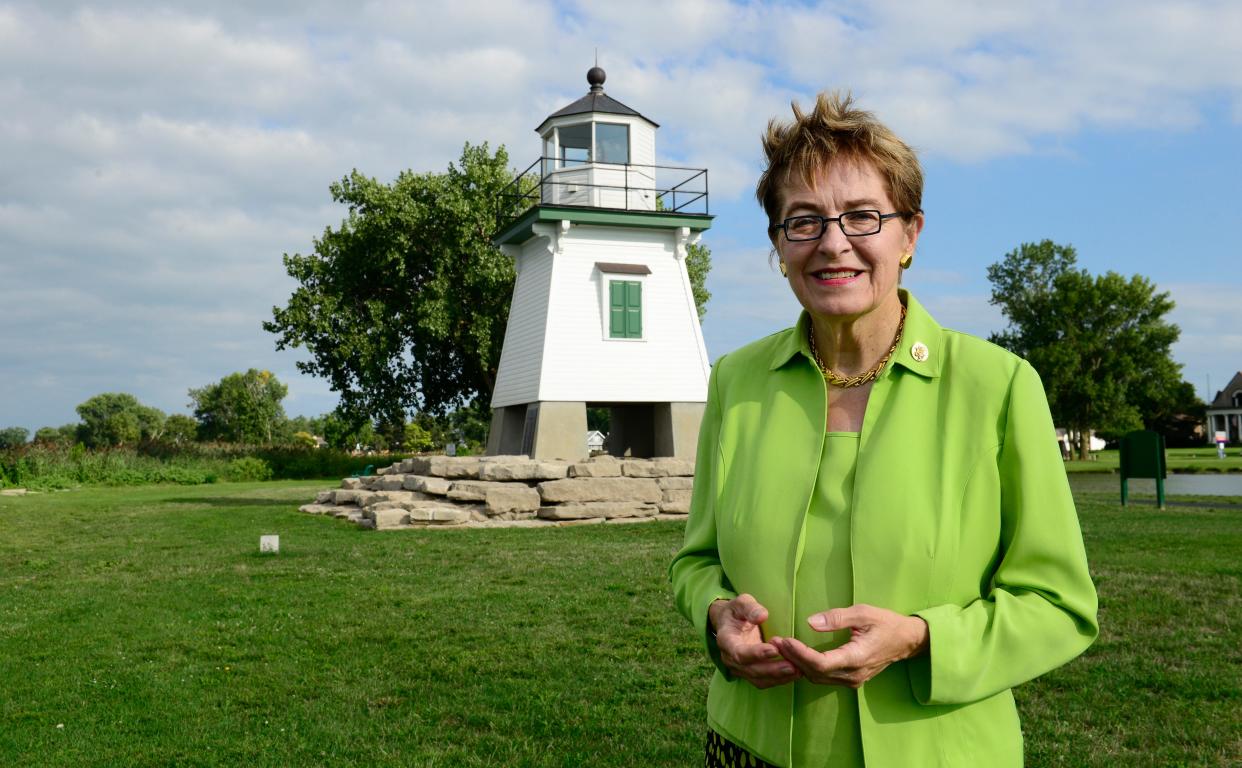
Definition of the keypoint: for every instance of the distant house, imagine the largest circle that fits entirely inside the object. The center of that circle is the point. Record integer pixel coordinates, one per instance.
(1224, 413)
(1064, 440)
(595, 442)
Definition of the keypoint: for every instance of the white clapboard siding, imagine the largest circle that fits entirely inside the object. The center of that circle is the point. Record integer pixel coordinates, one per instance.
(642, 142)
(517, 380)
(580, 362)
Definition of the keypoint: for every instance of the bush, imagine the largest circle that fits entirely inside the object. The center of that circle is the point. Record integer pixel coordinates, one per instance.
(248, 469)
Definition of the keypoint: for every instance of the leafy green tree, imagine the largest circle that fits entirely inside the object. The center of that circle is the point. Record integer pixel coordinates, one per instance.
(698, 264)
(117, 418)
(241, 408)
(1101, 344)
(47, 436)
(417, 438)
(403, 306)
(13, 437)
(335, 430)
(304, 439)
(180, 429)
(62, 435)
(1173, 409)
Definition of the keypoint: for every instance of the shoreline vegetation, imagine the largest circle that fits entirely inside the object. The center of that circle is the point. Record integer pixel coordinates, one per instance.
(38, 467)
(142, 626)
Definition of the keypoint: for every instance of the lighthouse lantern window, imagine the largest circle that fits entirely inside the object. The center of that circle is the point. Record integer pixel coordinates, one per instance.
(612, 143)
(575, 144)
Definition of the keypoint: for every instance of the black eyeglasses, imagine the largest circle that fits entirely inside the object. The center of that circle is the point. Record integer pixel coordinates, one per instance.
(852, 224)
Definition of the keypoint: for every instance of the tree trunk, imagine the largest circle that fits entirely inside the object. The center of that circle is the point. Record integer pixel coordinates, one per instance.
(1084, 444)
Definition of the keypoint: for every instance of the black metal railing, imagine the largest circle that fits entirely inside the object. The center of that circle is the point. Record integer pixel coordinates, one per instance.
(610, 186)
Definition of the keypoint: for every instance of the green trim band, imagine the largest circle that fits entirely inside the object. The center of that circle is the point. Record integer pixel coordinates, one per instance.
(521, 229)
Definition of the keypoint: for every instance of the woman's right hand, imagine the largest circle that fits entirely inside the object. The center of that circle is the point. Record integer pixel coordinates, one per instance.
(742, 649)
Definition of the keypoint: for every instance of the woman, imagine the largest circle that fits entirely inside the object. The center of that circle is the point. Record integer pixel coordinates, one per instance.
(882, 541)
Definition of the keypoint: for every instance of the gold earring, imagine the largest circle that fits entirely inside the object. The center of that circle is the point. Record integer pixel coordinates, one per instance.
(907, 259)
(784, 269)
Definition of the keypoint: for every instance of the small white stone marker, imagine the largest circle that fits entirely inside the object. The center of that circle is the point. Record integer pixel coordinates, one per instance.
(269, 544)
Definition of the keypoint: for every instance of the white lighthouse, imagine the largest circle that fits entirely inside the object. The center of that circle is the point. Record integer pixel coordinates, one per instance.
(602, 312)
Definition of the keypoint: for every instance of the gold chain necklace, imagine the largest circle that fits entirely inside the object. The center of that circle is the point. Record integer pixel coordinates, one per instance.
(845, 382)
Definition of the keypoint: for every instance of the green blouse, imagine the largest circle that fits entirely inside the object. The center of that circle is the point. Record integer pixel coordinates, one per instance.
(825, 717)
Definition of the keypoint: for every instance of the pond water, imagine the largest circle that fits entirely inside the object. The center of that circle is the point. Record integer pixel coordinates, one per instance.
(1186, 485)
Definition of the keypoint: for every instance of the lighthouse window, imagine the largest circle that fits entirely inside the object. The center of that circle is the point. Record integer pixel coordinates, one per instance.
(612, 143)
(575, 144)
(625, 309)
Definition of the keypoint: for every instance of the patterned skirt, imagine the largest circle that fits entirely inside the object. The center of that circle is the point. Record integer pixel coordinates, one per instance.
(722, 753)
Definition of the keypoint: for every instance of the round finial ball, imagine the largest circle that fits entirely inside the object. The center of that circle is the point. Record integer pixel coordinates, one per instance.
(595, 77)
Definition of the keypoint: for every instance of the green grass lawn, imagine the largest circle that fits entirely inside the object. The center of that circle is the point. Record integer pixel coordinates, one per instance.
(1191, 460)
(140, 626)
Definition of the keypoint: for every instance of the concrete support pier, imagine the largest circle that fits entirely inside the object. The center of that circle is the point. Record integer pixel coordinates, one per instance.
(543, 430)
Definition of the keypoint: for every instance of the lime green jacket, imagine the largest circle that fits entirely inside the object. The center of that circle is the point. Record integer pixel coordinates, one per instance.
(961, 515)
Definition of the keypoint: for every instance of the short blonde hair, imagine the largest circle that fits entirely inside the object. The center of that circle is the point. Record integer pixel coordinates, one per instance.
(836, 128)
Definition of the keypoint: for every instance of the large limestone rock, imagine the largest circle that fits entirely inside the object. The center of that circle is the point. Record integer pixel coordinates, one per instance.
(661, 467)
(323, 497)
(436, 486)
(387, 519)
(675, 501)
(586, 489)
(512, 498)
(317, 509)
(379, 496)
(504, 459)
(600, 466)
(351, 483)
(509, 471)
(600, 509)
(437, 513)
(473, 490)
(452, 467)
(389, 482)
(501, 523)
(361, 498)
(675, 483)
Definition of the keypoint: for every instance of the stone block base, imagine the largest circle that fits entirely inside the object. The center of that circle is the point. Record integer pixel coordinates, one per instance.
(511, 492)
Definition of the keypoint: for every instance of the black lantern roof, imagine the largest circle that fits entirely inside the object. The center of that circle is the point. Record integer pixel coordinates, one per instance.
(594, 101)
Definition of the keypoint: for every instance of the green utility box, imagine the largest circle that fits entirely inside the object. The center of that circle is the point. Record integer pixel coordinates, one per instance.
(1142, 455)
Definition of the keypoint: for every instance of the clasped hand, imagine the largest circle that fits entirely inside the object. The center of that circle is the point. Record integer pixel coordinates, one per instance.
(878, 637)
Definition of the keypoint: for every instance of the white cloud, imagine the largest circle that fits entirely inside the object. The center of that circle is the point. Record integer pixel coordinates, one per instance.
(157, 161)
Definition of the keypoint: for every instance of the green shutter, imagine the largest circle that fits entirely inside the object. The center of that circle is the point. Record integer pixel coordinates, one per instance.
(625, 309)
(616, 309)
(634, 310)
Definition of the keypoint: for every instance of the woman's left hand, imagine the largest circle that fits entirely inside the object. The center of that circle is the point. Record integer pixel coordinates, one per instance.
(878, 637)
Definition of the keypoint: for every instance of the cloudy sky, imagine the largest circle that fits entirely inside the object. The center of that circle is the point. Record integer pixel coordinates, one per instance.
(157, 158)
